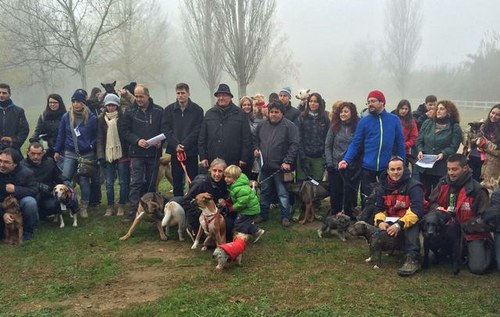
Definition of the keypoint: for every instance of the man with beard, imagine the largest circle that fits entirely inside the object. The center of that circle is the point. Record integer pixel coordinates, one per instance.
(400, 197)
(378, 136)
(277, 143)
(466, 199)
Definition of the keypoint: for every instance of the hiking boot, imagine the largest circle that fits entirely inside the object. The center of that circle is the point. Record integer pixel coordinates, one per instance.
(121, 210)
(109, 211)
(285, 222)
(83, 209)
(410, 267)
(257, 235)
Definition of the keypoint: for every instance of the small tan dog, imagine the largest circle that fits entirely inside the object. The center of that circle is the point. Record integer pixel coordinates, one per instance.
(174, 215)
(211, 222)
(231, 251)
(150, 209)
(64, 195)
(164, 170)
(14, 230)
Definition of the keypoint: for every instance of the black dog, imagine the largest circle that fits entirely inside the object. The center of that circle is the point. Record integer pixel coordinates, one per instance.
(110, 88)
(442, 235)
(336, 224)
(378, 240)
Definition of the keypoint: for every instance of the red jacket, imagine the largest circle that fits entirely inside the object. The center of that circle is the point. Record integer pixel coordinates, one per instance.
(235, 248)
(410, 134)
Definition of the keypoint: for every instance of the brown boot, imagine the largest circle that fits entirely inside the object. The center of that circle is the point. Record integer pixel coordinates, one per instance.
(410, 267)
(109, 211)
(83, 209)
(121, 210)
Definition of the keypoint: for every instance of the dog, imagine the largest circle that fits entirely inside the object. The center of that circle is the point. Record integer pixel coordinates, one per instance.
(211, 222)
(231, 251)
(65, 195)
(336, 224)
(110, 88)
(490, 184)
(174, 215)
(442, 235)
(5, 142)
(378, 240)
(309, 194)
(303, 95)
(164, 169)
(471, 135)
(150, 209)
(14, 230)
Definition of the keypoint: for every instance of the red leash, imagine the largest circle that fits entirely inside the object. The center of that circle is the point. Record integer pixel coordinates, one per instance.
(181, 157)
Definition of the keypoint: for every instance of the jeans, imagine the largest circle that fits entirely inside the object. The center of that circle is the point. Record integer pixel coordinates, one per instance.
(48, 205)
(278, 184)
(178, 173)
(412, 241)
(29, 211)
(69, 170)
(479, 255)
(343, 190)
(110, 170)
(143, 174)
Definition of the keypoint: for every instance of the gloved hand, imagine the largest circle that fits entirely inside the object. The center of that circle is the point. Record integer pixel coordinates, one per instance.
(44, 189)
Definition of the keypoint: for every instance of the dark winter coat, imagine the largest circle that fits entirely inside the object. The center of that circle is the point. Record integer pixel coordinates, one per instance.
(420, 115)
(291, 113)
(13, 123)
(225, 134)
(336, 145)
(102, 132)
(49, 127)
(139, 124)
(312, 131)
(46, 172)
(182, 127)
(23, 179)
(86, 140)
(278, 143)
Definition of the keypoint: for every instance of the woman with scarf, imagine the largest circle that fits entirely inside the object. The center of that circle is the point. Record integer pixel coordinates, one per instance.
(343, 184)
(112, 154)
(246, 103)
(47, 125)
(489, 144)
(439, 135)
(76, 138)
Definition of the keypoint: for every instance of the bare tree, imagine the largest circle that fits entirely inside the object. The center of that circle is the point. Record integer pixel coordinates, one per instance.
(244, 31)
(59, 33)
(199, 32)
(403, 38)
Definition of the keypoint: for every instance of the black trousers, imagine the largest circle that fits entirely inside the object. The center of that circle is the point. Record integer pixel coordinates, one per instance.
(178, 177)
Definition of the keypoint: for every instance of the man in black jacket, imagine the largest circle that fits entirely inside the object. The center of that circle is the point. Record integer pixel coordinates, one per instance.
(13, 121)
(225, 132)
(19, 181)
(277, 144)
(142, 121)
(47, 175)
(291, 113)
(181, 125)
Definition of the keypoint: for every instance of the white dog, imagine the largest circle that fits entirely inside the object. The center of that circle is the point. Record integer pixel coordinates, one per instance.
(174, 215)
(65, 195)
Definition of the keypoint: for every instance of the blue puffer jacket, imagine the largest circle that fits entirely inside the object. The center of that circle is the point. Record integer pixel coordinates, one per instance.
(86, 140)
(379, 137)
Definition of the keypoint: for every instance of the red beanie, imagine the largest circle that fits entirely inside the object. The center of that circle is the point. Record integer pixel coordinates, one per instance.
(377, 94)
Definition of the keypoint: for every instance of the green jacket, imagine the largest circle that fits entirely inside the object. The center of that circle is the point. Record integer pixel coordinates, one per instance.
(245, 201)
(445, 141)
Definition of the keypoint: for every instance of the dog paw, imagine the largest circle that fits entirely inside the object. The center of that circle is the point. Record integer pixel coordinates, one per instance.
(61, 225)
(320, 233)
(376, 267)
(204, 248)
(219, 267)
(124, 238)
(368, 260)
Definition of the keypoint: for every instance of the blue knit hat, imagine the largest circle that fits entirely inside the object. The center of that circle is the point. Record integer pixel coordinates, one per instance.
(287, 90)
(79, 96)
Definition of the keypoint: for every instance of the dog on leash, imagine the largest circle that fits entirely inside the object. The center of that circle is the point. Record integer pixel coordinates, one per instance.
(442, 235)
(211, 222)
(164, 170)
(336, 224)
(231, 251)
(65, 196)
(378, 240)
(174, 215)
(471, 135)
(309, 194)
(14, 230)
(150, 209)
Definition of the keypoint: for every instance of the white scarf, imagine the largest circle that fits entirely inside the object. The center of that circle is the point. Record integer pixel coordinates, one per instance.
(113, 145)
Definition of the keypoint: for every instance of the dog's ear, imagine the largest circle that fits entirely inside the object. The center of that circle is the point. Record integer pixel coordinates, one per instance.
(114, 83)
(143, 205)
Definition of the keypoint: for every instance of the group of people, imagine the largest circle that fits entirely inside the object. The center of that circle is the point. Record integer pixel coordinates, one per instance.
(221, 150)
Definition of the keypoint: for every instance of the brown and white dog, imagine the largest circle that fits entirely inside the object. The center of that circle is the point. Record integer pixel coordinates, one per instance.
(309, 193)
(13, 230)
(174, 215)
(164, 170)
(65, 196)
(211, 222)
(471, 136)
(150, 209)
(231, 251)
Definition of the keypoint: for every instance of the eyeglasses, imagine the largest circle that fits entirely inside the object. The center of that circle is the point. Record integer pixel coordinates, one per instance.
(396, 158)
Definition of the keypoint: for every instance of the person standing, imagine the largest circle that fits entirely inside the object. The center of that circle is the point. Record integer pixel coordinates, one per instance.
(489, 144)
(410, 130)
(291, 113)
(142, 121)
(181, 125)
(378, 136)
(13, 121)
(225, 132)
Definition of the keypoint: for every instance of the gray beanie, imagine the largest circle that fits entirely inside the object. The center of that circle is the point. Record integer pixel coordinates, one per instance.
(111, 99)
(287, 90)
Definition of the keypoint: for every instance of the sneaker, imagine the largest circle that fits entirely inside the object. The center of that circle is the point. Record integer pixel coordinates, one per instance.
(285, 222)
(410, 267)
(109, 211)
(190, 233)
(257, 235)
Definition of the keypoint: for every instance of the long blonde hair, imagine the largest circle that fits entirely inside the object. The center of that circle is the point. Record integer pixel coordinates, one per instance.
(85, 114)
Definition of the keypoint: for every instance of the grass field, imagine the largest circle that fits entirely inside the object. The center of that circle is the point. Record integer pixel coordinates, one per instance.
(87, 271)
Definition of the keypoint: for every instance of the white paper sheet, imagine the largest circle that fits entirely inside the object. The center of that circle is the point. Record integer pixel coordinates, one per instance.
(427, 161)
(160, 137)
